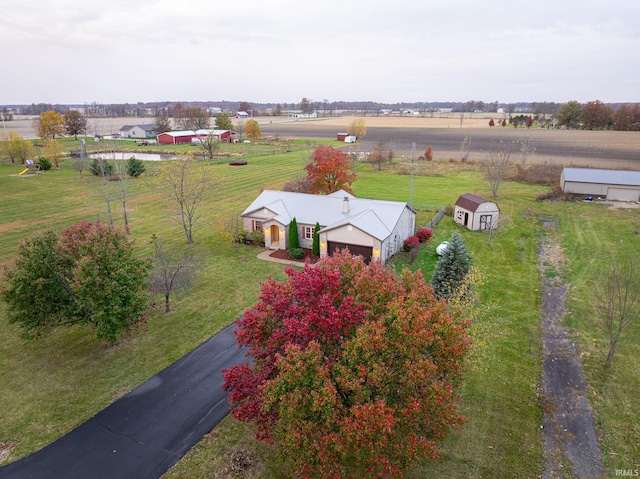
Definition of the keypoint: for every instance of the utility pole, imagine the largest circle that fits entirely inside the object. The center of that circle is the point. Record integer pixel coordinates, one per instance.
(412, 165)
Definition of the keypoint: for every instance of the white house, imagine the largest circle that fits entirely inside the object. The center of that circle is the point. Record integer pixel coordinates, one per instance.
(138, 131)
(476, 213)
(374, 229)
(618, 185)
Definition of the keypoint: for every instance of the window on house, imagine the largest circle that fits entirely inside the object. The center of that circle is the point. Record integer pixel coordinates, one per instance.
(460, 213)
(308, 232)
(257, 225)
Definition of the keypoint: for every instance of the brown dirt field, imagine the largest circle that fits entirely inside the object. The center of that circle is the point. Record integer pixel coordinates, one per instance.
(436, 121)
(604, 149)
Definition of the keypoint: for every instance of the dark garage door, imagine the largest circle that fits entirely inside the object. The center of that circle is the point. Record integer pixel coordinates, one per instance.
(365, 251)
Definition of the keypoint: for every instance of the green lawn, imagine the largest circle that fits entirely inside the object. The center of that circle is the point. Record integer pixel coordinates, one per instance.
(52, 385)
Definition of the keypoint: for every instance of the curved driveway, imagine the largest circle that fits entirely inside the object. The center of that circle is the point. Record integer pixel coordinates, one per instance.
(147, 431)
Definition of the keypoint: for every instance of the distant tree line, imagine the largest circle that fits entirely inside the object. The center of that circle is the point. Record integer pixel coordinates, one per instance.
(592, 115)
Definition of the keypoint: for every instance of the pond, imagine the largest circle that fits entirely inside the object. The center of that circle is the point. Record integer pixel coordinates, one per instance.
(139, 156)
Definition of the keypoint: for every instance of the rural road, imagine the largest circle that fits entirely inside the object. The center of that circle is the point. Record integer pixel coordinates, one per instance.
(147, 431)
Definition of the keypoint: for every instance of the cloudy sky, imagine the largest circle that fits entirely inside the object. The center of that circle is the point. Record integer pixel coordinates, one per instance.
(79, 51)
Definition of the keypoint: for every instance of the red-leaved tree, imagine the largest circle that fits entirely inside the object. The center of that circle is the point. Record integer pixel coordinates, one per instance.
(354, 369)
(328, 171)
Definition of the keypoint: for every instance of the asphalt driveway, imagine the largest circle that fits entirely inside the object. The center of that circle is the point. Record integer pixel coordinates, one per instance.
(147, 431)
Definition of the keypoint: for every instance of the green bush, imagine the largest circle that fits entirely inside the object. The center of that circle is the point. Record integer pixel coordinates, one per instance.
(294, 241)
(257, 237)
(316, 240)
(296, 253)
(100, 167)
(135, 167)
(44, 163)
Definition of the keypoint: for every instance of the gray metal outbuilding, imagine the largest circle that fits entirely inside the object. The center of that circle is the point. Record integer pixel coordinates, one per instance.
(618, 185)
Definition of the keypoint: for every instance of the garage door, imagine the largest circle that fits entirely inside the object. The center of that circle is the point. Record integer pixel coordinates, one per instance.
(623, 194)
(365, 251)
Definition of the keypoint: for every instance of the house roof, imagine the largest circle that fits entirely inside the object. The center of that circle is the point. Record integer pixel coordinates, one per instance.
(595, 175)
(149, 127)
(377, 218)
(470, 202)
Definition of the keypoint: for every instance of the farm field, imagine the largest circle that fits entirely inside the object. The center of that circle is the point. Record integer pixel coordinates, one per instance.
(445, 132)
(42, 398)
(605, 149)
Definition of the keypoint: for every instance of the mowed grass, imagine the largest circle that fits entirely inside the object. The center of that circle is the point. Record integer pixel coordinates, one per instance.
(52, 385)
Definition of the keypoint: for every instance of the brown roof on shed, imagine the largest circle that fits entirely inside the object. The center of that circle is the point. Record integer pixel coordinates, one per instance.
(470, 202)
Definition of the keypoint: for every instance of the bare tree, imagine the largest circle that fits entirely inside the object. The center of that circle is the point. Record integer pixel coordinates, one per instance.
(299, 184)
(233, 227)
(381, 154)
(616, 293)
(527, 148)
(101, 167)
(80, 159)
(174, 270)
(497, 162)
(210, 144)
(121, 172)
(502, 222)
(184, 183)
(465, 148)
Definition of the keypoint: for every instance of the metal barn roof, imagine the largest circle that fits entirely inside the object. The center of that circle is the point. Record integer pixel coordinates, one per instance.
(609, 177)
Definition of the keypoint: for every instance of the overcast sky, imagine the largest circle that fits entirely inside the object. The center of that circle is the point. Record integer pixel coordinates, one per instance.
(79, 51)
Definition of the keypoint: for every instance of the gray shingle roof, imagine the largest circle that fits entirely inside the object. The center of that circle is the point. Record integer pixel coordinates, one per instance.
(377, 218)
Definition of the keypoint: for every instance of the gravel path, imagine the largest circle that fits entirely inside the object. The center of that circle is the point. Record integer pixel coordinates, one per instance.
(570, 442)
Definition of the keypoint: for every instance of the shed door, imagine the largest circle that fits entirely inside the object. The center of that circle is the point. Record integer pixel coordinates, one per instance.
(365, 251)
(623, 194)
(485, 222)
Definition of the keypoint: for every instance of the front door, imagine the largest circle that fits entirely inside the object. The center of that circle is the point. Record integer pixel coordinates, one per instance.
(485, 222)
(275, 235)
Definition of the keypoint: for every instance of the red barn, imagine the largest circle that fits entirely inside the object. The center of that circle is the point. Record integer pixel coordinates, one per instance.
(175, 137)
(222, 135)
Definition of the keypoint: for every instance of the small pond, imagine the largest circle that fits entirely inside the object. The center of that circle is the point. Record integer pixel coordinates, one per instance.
(139, 156)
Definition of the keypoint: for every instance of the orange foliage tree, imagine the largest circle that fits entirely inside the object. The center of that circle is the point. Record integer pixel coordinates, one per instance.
(328, 171)
(353, 368)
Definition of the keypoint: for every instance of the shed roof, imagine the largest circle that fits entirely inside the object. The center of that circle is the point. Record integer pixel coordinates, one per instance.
(179, 133)
(377, 218)
(595, 175)
(470, 202)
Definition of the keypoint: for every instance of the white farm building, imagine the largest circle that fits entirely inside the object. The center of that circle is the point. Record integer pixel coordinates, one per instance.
(618, 185)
